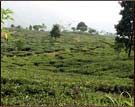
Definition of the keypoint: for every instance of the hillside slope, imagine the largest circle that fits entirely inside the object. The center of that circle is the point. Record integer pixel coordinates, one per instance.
(75, 69)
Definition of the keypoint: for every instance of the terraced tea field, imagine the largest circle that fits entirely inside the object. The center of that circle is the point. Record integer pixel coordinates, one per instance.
(75, 69)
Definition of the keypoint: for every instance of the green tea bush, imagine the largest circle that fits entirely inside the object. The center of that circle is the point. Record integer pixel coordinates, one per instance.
(19, 44)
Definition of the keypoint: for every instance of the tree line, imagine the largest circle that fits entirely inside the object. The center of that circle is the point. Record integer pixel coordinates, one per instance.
(81, 26)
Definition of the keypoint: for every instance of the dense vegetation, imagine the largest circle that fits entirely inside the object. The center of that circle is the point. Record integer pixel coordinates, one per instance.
(75, 69)
(124, 28)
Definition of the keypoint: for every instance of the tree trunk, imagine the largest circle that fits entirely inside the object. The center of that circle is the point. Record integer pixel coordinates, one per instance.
(129, 52)
(130, 46)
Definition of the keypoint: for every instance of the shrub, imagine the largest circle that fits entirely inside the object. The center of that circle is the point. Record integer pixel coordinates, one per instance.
(19, 44)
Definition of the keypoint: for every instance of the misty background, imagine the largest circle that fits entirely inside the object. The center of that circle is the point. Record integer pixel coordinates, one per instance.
(100, 15)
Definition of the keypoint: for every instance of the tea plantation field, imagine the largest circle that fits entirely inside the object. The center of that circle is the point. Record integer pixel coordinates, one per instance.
(75, 69)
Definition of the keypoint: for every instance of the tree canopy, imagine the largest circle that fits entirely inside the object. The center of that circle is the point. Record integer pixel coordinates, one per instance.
(55, 32)
(125, 26)
(82, 26)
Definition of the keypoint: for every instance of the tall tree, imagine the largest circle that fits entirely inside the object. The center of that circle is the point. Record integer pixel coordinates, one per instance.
(82, 26)
(55, 32)
(125, 26)
(30, 27)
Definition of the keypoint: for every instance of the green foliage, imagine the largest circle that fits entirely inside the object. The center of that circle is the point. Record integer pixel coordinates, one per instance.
(125, 26)
(55, 32)
(62, 72)
(19, 44)
(118, 45)
(120, 101)
(6, 15)
(82, 26)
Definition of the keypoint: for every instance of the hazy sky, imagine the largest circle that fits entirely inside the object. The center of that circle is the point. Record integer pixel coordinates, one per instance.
(101, 15)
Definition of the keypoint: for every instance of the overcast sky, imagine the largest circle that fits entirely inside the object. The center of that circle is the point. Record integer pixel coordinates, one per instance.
(101, 15)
